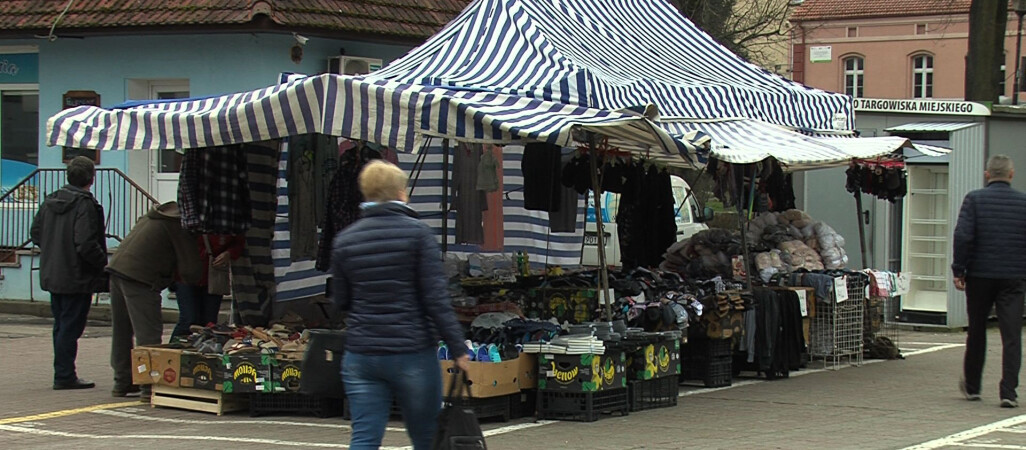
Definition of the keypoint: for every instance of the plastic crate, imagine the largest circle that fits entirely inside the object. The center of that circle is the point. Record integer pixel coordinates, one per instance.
(581, 406)
(714, 372)
(709, 348)
(524, 404)
(652, 394)
(491, 407)
(294, 403)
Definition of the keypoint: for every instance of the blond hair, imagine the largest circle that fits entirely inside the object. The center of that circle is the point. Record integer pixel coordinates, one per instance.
(1000, 167)
(381, 181)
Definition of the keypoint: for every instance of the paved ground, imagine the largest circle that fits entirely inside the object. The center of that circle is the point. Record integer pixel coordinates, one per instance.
(882, 404)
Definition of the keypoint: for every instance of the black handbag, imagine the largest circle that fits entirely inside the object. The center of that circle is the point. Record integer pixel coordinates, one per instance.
(322, 364)
(458, 428)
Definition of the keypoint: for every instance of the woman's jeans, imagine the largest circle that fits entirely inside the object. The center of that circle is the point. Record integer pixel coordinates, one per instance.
(371, 381)
(195, 307)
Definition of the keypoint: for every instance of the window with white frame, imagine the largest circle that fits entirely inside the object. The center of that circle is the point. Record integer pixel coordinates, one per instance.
(854, 76)
(922, 76)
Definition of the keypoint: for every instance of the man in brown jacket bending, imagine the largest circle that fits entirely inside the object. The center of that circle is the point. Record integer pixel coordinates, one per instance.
(144, 265)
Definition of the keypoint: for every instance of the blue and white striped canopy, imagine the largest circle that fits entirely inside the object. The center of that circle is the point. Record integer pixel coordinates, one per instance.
(400, 116)
(610, 54)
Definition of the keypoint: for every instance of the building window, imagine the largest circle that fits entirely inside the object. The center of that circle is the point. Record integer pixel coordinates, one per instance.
(922, 76)
(1002, 85)
(921, 28)
(19, 135)
(853, 32)
(854, 76)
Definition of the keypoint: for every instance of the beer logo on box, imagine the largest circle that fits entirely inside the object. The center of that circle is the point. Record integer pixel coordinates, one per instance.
(664, 359)
(564, 376)
(245, 373)
(290, 377)
(202, 372)
(609, 371)
(170, 375)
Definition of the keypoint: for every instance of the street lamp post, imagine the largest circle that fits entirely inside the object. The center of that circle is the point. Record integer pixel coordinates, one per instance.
(1020, 10)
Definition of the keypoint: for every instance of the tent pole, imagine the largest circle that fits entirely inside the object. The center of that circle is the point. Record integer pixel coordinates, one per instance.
(862, 226)
(445, 196)
(742, 222)
(596, 188)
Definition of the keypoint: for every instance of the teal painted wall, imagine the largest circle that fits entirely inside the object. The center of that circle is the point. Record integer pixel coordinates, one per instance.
(213, 64)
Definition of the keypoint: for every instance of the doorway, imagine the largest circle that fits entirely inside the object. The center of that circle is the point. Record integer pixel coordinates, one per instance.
(157, 170)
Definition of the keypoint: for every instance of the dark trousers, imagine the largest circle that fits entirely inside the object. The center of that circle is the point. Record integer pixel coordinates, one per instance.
(70, 312)
(195, 307)
(135, 316)
(1008, 296)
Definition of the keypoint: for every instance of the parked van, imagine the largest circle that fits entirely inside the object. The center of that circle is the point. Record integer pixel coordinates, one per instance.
(690, 218)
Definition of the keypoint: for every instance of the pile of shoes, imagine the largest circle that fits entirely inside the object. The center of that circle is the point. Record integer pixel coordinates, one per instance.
(222, 339)
(704, 255)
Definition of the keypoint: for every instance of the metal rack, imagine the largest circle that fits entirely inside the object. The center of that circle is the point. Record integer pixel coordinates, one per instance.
(835, 334)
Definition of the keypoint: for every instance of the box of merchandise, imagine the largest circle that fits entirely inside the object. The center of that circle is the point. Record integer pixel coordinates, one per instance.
(654, 360)
(202, 371)
(487, 379)
(286, 373)
(246, 373)
(527, 374)
(156, 365)
(582, 373)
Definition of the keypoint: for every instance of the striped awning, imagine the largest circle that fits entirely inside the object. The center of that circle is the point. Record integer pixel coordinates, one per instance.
(400, 116)
(744, 141)
(928, 127)
(611, 54)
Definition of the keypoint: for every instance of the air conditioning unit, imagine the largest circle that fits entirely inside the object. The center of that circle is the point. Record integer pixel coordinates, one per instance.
(352, 65)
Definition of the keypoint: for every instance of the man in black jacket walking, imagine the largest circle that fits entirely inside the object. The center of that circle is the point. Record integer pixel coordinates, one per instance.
(990, 266)
(68, 228)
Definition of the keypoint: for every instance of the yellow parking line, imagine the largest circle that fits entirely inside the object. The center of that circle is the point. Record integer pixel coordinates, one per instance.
(66, 412)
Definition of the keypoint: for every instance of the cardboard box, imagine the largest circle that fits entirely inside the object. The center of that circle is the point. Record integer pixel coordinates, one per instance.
(656, 360)
(723, 326)
(156, 365)
(286, 375)
(487, 379)
(246, 374)
(527, 374)
(202, 371)
(582, 373)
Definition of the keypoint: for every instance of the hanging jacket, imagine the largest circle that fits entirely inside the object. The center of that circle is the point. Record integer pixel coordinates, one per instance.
(68, 228)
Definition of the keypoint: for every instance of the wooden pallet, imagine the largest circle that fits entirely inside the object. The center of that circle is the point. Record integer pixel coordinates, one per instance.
(198, 400)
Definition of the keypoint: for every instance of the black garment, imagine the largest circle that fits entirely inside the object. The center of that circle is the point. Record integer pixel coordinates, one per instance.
(1007, 295)
(468, 202)
(70, 312)
(989, 238)
(388, 276)
(576, 175)
(307, 191)
(344, 199)
(645, 221)
(541, 168)
(780, 188)
(68, 228)
(565, 219)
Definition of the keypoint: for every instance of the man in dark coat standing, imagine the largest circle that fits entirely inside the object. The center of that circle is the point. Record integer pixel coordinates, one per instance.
(990, 266)
(68, 228)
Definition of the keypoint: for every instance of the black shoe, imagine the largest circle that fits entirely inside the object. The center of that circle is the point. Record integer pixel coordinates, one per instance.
(130, 391)
(77, 384)
(1009, 403)
(145, 393)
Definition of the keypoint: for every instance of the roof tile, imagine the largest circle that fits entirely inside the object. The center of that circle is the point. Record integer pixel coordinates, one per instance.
(863, 9)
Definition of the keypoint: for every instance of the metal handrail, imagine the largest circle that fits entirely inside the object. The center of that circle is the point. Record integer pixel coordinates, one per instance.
(123, 200)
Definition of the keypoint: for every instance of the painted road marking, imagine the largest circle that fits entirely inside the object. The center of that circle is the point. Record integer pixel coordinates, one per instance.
(128, 415)
(174, 437)
(959, 439)
(65, 413)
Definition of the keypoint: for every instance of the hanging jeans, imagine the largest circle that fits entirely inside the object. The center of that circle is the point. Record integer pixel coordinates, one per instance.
(1007, 296)
(69, 321)
(195, 307)
(414, 379)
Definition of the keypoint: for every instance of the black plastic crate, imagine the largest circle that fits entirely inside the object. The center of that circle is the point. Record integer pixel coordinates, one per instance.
(581, 406)
(491, 407)
(294, 403)
(652, 394)
(709, 348)
(714, 372)
(524, 404)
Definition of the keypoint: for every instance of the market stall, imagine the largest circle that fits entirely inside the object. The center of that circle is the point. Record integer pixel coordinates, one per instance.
(564, 93)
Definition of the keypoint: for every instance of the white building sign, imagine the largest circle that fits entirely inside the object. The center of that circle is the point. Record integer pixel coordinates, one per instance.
(949, 107)
(820, 53)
